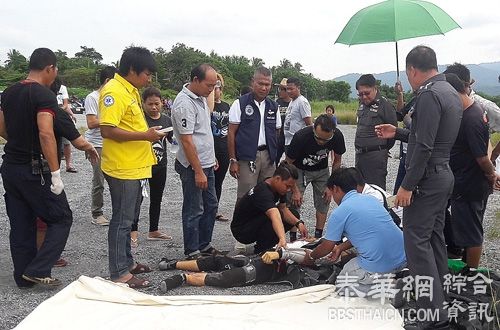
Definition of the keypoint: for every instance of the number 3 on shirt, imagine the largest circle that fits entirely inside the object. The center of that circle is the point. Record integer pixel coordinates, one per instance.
(184, 123)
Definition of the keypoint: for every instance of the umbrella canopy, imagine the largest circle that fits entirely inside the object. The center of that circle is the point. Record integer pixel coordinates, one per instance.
(394, 20)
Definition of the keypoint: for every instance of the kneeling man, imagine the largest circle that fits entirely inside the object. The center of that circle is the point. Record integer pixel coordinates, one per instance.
(261, 216)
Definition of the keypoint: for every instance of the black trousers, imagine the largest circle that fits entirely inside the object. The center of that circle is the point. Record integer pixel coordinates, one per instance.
(373, 166)
(156, 189)
(223, 158)
(260, 230)
(25, 199)
(230, 272)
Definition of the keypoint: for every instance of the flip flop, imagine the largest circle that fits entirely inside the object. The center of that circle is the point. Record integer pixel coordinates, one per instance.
(161, 237)
(140, 269)
(71, 170)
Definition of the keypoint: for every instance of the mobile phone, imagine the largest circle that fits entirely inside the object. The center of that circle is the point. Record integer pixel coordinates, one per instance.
(390, 201)
(166, 129)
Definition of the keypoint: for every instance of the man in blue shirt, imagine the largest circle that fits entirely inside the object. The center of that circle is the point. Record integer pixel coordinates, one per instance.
(368, 227)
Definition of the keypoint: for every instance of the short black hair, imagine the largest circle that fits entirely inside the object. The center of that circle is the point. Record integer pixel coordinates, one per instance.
(41, 58)
(151, 91)
(366, 80)
(200, 71)
(330, 106)
(341, 177)
(356, 174)
(286, 171)
(456, 82)
(295, 81)
(326, 123)
(263, 71)
(108, 72)
(137, 59)
(460, 70)
(422, 58)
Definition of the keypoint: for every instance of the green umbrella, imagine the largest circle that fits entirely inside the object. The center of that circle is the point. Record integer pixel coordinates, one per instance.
(395, 20)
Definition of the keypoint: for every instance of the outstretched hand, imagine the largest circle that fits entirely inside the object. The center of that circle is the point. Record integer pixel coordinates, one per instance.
(385, 131)
(270, 256)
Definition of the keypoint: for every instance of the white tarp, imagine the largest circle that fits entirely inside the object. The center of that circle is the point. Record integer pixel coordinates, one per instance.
(94, 303)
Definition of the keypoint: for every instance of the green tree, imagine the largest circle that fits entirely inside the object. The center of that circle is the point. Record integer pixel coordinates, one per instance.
(89, 53)
(16, 61)
(337, 90)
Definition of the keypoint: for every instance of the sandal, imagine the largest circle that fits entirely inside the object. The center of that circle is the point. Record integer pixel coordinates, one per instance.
(140, 269)
(160, 237)
(134, 243)
(71, 170)
(137, 283)
(220, 217)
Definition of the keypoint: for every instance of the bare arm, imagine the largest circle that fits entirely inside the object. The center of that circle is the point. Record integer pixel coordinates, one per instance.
(92, 121)
(45, 122)
(292, 220)
(308, 121)
(3, 129)
(274, 215)
(192, 157)
(489, 171)
(234, 167)
(336, 160)
(495, 152)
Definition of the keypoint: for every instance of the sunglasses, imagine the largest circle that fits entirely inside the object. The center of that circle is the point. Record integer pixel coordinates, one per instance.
(361, 94)
(321, 139)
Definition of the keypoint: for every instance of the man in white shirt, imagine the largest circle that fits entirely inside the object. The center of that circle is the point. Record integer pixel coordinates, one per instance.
(93, 135)
(298, 114)
(252, 137)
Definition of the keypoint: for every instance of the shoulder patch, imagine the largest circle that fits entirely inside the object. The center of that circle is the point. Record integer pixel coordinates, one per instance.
(108, 100)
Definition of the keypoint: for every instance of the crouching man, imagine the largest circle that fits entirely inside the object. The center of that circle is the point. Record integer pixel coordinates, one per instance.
(368, 227)
(261, 215)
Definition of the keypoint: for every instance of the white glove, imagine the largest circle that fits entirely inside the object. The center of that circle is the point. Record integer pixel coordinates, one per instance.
(57, 185)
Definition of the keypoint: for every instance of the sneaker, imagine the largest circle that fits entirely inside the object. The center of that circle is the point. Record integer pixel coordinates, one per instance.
(167, 264)
(101, 221)
(172, 282)
(48, 281)
(211, 251)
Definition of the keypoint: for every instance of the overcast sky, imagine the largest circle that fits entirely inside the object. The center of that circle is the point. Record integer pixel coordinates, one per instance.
(302, 31)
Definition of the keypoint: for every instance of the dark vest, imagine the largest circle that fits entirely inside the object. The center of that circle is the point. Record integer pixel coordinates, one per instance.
(247, 136)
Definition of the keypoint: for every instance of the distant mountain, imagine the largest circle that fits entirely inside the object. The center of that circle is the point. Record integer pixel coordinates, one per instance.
(485, 75)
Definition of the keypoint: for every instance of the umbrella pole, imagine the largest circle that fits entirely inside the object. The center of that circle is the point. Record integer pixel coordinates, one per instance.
(397, 62)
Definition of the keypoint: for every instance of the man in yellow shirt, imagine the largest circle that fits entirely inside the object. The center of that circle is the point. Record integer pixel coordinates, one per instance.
(127, 157)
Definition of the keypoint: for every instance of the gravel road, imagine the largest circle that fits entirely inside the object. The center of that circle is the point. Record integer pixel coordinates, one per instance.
(86, 250)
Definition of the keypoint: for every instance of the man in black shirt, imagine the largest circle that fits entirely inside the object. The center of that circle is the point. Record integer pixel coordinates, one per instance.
(309, 151)
(29, 121)
(474, 173)
(261, 215)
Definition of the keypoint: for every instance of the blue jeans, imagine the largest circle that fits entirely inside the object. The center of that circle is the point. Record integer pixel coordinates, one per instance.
(126, 203)
(199, 209)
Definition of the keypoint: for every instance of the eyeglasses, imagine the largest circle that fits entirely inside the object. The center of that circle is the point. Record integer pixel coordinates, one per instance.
(321, 139)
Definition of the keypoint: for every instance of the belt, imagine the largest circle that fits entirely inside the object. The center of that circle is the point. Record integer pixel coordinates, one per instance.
(262, 147)
(362, 150)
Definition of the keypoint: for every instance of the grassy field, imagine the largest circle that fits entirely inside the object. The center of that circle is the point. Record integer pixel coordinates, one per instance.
(345, 112)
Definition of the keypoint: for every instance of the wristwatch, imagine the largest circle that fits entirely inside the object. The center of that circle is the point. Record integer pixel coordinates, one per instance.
(233, 160)
(298, 223)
